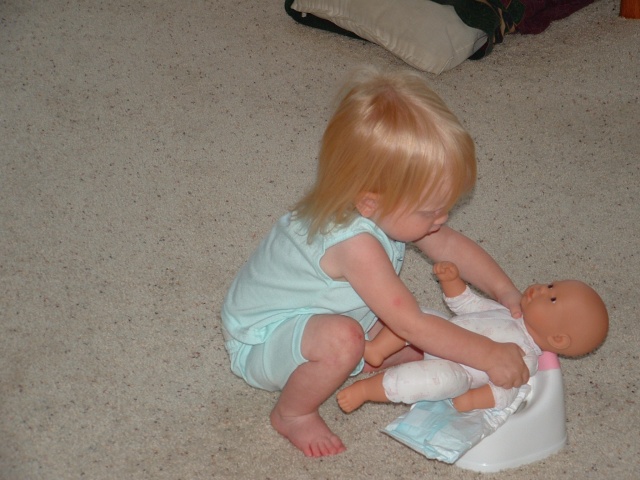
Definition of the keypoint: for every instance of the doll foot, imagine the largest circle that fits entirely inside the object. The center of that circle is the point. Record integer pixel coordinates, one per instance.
(350, 398)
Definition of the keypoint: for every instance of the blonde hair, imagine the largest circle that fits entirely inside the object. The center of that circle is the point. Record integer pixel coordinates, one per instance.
(393, 136)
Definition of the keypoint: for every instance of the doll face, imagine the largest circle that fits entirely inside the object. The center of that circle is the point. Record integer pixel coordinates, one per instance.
(544, 304)
(544, 310)
(565, 310)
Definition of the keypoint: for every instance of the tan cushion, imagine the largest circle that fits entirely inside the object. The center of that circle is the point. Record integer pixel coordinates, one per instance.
(426, 35)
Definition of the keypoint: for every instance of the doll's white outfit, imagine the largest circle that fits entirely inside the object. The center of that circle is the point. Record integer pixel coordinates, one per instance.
(437, 379)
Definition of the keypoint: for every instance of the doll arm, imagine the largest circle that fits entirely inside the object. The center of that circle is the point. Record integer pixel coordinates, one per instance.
(458, 296)
(476, 398)
(449, 276)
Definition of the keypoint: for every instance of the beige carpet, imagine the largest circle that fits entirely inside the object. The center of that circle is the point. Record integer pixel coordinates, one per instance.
(148, 146)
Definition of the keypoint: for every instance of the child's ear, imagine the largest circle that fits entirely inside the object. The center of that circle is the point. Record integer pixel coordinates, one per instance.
(367, 204)
(560, 341)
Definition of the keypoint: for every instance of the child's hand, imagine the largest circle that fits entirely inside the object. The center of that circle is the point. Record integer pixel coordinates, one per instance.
(511, 300)
(446, 271)
(509, 369)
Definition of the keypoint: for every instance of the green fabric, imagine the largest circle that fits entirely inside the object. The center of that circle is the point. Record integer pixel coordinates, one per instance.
(283, 279)
(491, 16)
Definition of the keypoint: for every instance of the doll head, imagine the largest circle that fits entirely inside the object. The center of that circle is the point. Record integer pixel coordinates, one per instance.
(391, 136)
(566, 317)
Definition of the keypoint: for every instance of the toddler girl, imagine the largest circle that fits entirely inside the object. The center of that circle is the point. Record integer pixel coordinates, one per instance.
(392, 163)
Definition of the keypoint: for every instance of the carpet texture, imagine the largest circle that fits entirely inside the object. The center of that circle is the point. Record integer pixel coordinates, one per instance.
(148, 146)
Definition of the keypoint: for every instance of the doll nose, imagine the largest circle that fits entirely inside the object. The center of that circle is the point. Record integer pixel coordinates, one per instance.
(544, 290)
(536, 290)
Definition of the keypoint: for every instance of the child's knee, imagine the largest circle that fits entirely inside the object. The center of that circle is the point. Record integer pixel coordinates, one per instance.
(335, 340)
(347, 341)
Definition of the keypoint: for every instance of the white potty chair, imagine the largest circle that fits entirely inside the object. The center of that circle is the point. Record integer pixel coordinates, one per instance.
(534, 432)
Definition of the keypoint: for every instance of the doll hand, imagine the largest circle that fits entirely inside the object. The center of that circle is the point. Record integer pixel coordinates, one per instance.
(446, 271)
(509, 369)
(511, 300)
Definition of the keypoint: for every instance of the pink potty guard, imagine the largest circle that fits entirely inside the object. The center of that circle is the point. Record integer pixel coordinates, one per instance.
(534, 432)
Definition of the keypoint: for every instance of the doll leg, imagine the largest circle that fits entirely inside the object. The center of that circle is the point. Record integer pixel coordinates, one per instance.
(383, 345)
(408, 383)
(367, 390)
(476, 398)
(426, 380)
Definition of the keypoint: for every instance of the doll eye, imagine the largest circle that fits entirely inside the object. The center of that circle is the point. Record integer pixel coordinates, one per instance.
(550, 285)
(553, 299)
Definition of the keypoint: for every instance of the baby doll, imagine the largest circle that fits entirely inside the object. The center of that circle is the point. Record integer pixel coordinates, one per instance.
(565, 317)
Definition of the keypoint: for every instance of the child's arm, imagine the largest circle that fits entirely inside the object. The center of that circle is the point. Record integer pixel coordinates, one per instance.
(363, 262)
(386, 343)
(476, 266)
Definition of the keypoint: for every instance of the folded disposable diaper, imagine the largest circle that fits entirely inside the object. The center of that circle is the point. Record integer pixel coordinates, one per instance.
(438, 431)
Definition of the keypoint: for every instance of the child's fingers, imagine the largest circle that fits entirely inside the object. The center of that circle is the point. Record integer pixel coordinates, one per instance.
(516, 311)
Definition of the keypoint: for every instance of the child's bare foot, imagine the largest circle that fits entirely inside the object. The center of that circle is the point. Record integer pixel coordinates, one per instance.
(352, 397)
(309, 433)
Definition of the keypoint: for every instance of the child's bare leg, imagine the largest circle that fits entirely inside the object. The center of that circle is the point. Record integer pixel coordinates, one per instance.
(383, 345)
(334, 346)
(367, 390)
